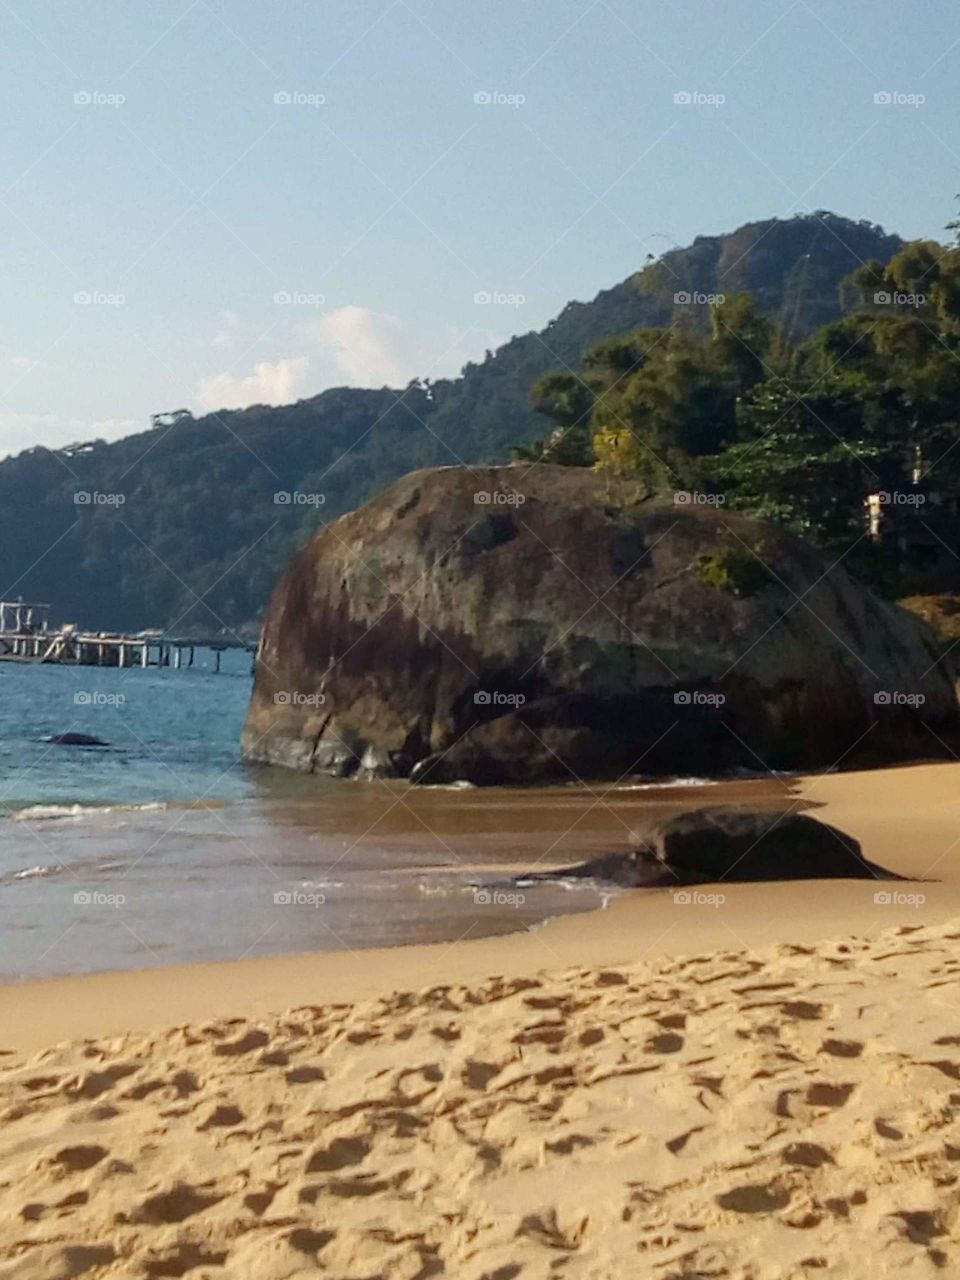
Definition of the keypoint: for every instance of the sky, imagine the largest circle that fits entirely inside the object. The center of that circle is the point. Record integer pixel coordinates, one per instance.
(211, 203)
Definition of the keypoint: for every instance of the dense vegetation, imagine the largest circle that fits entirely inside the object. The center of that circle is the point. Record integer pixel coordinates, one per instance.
(198, 539)
(798, 432)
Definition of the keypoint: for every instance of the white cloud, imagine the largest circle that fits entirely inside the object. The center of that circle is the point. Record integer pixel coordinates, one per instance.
(371, 348)
(280, 382)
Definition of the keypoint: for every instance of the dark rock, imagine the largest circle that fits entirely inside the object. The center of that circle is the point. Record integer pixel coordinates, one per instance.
(76, 740)
(735, 844)
(588, 631)
(707, 845)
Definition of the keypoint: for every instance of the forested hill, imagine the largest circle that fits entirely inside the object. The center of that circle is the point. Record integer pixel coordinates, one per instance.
(180, 527)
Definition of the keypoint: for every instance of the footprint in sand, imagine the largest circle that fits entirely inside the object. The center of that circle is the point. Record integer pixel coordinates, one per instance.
(477, 1075)
(341, 1153)
(77, 1159)
(223, 1116)
(667, 1042)
(305, 1075)
(842, 1048)
(246, 1043)
(829, 1095)
(754, 1199)
(807, 1010)
(807, 1154)
(182, 1201)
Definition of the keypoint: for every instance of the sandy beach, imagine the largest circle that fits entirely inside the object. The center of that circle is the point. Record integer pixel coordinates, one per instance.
(761, 1086)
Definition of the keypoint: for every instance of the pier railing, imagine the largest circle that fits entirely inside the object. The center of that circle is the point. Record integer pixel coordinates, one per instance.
(102, 649)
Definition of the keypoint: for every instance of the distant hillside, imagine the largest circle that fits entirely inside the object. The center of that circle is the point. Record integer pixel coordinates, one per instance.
(198, 538)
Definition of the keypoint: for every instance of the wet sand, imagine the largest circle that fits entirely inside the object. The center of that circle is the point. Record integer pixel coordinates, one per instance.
(907, 819)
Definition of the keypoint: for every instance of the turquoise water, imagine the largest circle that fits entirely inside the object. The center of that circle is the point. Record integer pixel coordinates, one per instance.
(172, 735)
(162, 847)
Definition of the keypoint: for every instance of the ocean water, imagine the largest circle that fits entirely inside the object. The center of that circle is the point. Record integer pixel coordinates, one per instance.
(163, 847)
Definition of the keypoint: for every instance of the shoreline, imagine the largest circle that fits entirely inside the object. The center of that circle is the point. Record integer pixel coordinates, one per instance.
(881, 808)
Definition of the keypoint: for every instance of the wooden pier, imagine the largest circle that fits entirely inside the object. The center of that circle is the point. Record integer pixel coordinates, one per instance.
(26, 636)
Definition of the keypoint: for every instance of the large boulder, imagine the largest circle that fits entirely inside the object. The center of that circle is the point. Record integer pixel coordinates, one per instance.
(523, 624)
(736, 844)
(708, 845)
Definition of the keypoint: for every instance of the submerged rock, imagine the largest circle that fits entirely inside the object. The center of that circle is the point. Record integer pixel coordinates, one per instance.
(76, 740)
(526, 624)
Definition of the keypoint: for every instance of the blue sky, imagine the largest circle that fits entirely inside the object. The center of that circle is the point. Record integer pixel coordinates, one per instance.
(174, 235)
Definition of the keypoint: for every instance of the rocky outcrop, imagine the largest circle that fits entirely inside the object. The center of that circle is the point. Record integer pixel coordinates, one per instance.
(524, 624)
(736, 844)
(709, 845)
